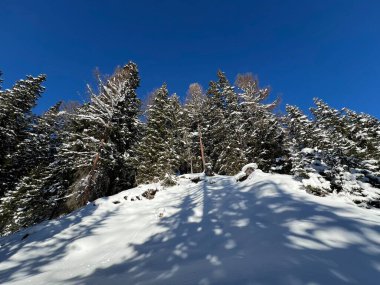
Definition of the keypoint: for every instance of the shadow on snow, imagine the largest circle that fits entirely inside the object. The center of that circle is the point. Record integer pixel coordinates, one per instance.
(56, 237)
(256, 234)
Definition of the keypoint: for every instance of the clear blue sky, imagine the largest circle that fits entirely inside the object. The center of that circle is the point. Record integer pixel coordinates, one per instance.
(302, 49)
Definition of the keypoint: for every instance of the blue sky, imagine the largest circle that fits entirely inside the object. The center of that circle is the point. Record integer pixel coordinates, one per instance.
(302, 49)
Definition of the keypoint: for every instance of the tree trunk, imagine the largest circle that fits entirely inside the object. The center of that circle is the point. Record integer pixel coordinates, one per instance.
(202, 151)
(86, 194)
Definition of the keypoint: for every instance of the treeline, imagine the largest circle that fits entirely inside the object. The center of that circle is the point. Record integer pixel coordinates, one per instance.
(57, 162)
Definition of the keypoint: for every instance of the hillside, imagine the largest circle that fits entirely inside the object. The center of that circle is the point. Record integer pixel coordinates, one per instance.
(265, 230)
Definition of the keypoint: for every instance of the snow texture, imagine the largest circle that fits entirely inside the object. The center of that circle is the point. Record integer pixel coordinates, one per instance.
(265, 230)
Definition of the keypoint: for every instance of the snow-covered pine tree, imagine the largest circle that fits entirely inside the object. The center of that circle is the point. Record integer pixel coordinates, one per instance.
(364, 131)
(232, 149)
(223, 142)
(25, 203)
(327, 153)
(339, 154)
(353, 158)
(15, 123)
(261, 132)
(307, 160)
(157, 156)
(179, 134)
(329, 119)
(194, 121)
(42, 141)
(214, 132)
(96, 158)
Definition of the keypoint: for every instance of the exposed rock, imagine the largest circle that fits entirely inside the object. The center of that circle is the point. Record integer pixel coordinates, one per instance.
(208, 170)
(195, 179)
(149, 194)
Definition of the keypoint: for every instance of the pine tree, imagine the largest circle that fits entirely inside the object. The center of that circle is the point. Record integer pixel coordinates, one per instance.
(364, 130)
(262, 134)
(179, 134)
(26, 203)
(338, 154)
(328, 154)
(307, 159)
(194, 122)
(16, 120)
(232, 149)
(329, 119)
(97, 153)
(157, 156)
(222, 140)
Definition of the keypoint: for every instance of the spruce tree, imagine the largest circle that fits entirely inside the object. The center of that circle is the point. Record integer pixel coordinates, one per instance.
(195, 110)
(26, 203)
(306, 158)
(232, 149)
(157, 156)
(16, 120)
(97, 155)
(330, 153)
(222, 141)
(262, 134)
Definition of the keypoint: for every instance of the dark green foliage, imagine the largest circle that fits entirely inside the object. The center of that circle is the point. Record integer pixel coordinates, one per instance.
(194, 112)
(338, 149)
(77, 156)
(16, 122)
(29, 202)
(59, 161)
(157, 152)
(240, 128)
(97, 155)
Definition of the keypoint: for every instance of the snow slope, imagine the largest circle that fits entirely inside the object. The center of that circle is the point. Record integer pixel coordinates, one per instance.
(265, 230)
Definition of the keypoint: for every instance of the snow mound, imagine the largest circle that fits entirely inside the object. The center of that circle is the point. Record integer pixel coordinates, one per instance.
(246, 171)
(249, 165)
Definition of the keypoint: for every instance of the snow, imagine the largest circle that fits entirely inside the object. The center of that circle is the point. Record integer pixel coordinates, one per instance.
(243, 173)
(240, 175)
(307, 150)
(265, 230)
(315, 180)
(249, 165)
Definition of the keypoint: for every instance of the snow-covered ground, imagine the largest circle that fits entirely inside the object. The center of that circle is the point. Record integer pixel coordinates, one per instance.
(265, 230)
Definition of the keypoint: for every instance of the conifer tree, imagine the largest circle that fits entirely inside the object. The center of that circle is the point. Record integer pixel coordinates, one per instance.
(261, 132)
(307, 160)
(232, 149)
(221, 142)
(179, 134)
(157, 156)
(98, 149)
(327, 153)
(26, 203)
(194, 122)
(16, 120)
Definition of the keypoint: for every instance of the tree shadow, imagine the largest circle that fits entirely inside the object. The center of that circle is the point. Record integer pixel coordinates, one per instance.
(256, 234)
(55, 237)
(237, 233)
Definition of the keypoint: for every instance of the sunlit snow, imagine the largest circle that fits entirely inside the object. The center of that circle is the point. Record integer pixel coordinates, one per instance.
(265, 230)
